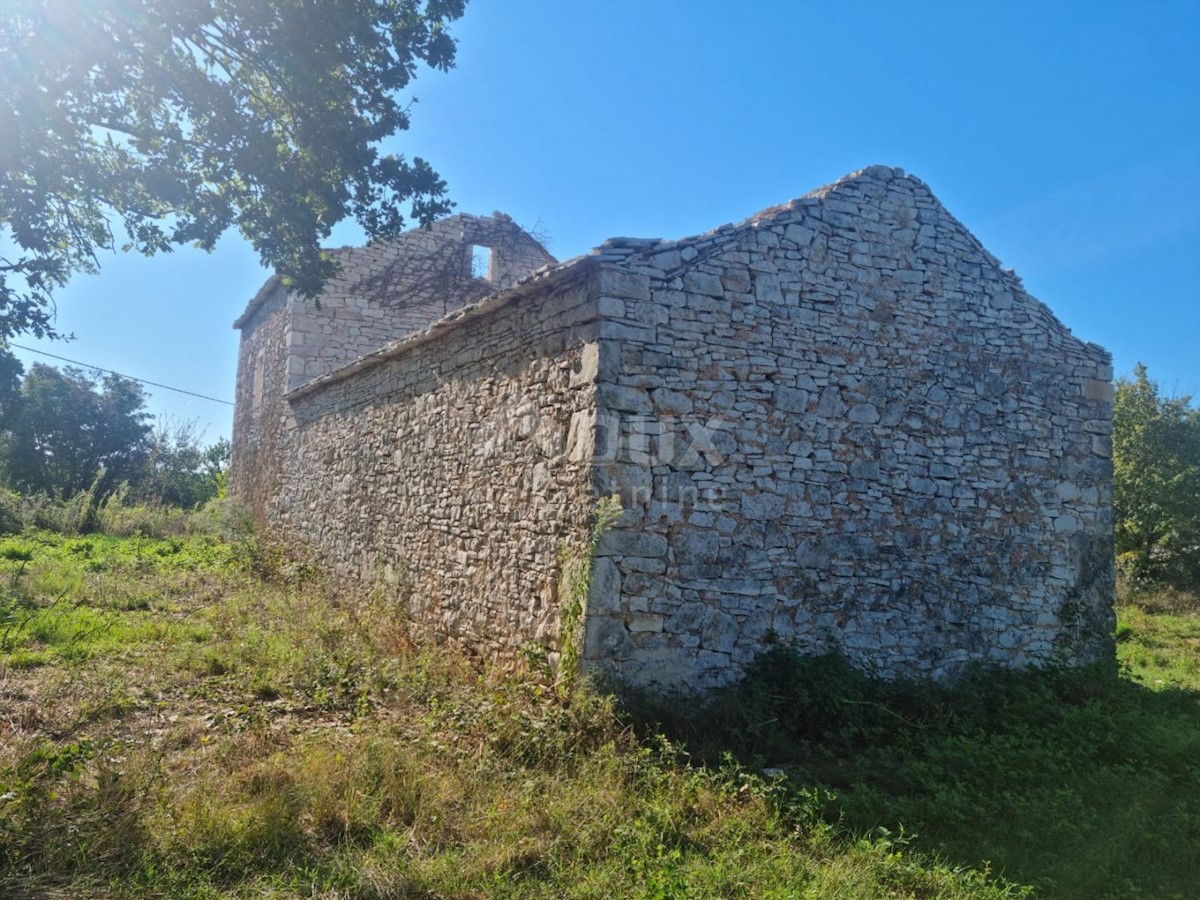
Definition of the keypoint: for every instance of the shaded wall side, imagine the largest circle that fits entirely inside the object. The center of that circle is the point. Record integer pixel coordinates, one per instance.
(849, 429)
(260, 410)
(440, 476)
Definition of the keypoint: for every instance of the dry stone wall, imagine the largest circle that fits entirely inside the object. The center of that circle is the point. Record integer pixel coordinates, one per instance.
(844, 425)
(437, 471)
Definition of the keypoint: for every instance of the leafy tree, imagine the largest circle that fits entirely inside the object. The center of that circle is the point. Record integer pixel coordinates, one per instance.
(1156, 482)
(179, 470)
(68, 429)
(174, 120)
(11, 371)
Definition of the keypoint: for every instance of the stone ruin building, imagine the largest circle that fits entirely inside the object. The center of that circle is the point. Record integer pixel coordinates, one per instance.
(837, 424)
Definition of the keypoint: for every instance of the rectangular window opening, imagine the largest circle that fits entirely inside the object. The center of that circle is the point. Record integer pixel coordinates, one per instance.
(483, 260)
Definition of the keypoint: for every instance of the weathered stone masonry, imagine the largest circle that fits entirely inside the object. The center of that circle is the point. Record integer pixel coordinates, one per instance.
(839, 424)
(443, 468)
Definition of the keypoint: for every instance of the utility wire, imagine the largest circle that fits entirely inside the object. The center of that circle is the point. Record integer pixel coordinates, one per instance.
(166, 387)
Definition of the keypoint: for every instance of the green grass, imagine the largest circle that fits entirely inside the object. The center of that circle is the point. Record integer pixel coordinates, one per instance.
(175, 725)
(1162, 650)
(1084, 784)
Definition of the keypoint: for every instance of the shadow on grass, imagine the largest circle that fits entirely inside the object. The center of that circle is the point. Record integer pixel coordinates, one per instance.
(1082, 783)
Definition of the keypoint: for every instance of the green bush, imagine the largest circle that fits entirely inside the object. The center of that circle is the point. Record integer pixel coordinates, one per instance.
(73, 515)
(12, 512)
(117, 515)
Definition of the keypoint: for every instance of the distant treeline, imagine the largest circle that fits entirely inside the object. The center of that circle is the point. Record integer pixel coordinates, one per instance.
(67, 436)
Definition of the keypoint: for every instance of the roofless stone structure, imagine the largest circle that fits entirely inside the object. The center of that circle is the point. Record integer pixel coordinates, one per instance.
(839, 424)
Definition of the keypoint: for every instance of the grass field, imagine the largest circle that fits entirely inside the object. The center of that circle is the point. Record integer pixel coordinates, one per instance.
(175, 724)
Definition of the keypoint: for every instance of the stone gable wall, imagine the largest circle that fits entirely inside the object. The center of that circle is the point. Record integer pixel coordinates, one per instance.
(439, 474)
(398, 287)
(847, 427)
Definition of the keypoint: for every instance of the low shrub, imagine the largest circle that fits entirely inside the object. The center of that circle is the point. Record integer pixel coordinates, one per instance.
(73, 515)
(117, 515)
(12, 511)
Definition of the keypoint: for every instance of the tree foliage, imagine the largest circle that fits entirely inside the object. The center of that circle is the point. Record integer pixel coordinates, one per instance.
(169, 121)
(1156, 482)
(67, 429)
(63, 431)
(179, 469)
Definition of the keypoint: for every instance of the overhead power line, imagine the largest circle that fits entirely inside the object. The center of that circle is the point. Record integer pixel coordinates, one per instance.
(76, 362)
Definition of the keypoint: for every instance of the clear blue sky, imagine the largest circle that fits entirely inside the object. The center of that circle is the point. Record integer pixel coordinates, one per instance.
(1065, 135)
